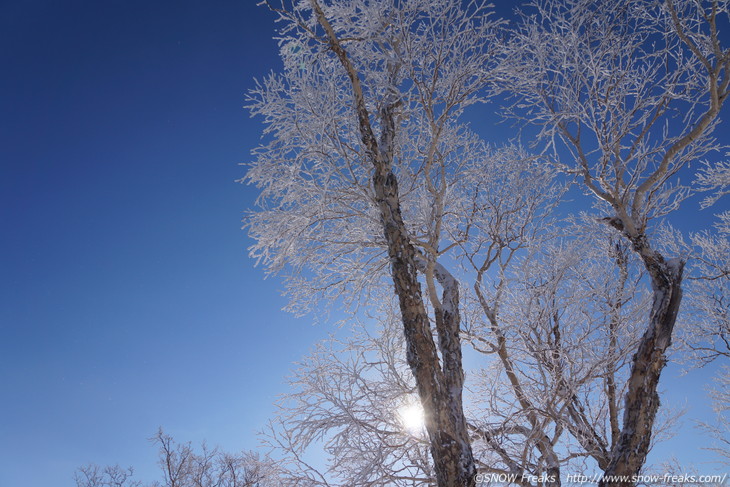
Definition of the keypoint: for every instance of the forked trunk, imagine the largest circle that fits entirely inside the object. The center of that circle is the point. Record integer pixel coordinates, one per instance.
(439, 390)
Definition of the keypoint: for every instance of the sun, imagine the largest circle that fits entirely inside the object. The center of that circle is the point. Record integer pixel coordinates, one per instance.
(411, 417)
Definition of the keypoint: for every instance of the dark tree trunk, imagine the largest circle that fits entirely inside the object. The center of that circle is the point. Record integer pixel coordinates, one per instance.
(439, 389)
(445, 422)
(642, 399)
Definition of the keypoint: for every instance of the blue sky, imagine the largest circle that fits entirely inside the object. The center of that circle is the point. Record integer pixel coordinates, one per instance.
(127, 300)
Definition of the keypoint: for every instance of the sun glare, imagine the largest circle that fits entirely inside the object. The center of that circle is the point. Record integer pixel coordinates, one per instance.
(411, 417)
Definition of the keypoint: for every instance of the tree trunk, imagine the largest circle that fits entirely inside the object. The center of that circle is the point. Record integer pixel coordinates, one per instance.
(642, 399)
(439, 390)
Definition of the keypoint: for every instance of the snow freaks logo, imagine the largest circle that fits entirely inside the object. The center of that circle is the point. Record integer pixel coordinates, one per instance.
(578, 479)
(511, 478)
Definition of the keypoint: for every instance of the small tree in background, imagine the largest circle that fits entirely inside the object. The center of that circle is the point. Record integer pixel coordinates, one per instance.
(183, 466)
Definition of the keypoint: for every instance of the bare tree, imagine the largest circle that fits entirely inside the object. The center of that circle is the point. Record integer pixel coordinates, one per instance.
(607, 82)
(709, 288)
(708, 323)
(720, 430)
(564, 339)
(175, 460)
(348, 399)
(366, 172)
(364, 117)
(184, 466)
(497, 207)
(542, 399)
(109, 476)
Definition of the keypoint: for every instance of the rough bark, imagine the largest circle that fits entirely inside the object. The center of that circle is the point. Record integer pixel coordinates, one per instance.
(439, 389)
(642, 399)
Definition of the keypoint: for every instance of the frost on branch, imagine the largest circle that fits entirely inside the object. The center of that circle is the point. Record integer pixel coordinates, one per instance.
(628, 94)
(346, 400)
(182, 465)
(369, 180)
(714, 177)
(552, 370)
(708, 314)
(371, 122)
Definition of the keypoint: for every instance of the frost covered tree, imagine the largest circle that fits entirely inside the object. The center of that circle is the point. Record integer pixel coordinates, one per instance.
(563, 338)
(708, 333)
(355, 400)
(109, 476)
(367, 176)
(720, 431)
(496, 206)
(182, 465)
(363, 144)
(709, 287)
(543, 394)
(632, 91)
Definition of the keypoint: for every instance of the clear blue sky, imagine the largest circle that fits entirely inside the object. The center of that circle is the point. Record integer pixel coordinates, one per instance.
(127, 300)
